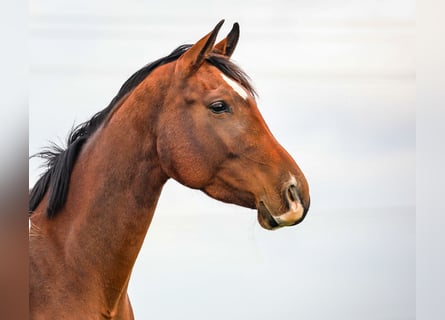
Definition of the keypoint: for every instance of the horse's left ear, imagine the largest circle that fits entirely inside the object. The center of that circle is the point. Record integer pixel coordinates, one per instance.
(192, 59)
(228, 44)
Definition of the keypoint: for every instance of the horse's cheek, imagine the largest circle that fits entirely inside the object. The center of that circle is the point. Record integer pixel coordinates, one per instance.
(180, 163)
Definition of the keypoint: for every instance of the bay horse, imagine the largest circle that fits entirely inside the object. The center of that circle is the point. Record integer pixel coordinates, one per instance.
(191, 116)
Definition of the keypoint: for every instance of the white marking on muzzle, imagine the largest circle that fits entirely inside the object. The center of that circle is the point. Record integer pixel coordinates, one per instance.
(235, 86)
(295, 212)
(293, 215)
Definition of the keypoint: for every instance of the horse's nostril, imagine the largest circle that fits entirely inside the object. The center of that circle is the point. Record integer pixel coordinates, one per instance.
(293, 195)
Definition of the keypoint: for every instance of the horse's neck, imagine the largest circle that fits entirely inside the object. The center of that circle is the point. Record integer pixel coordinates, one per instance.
(114, 188)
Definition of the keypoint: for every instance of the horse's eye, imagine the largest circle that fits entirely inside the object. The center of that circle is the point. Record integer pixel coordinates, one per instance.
(219, 107)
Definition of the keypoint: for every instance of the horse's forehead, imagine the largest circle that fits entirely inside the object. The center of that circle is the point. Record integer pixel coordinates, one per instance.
(212, 79)
(235, 86)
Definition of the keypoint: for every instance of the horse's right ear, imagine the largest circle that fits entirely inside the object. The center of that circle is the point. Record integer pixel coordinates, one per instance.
(192, 59)
(228, 44)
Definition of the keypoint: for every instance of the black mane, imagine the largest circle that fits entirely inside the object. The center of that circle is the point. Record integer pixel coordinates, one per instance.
(60, 162)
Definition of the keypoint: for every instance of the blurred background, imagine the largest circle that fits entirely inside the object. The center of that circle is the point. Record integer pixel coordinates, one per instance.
(336, 83)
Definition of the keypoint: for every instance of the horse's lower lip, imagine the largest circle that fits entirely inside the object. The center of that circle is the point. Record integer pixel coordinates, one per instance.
(265, 217)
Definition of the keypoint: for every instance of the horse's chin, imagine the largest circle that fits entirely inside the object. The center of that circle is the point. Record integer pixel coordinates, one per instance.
(265, 218)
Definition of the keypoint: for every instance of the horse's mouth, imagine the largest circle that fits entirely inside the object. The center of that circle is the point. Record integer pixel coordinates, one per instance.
(265, 218)
(294, 216)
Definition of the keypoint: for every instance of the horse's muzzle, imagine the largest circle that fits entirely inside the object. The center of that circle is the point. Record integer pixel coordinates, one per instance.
(295, 214)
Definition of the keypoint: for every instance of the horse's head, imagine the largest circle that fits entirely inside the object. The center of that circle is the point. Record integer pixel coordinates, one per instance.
(212, 137)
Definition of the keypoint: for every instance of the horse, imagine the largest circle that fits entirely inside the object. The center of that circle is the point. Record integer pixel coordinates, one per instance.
(190, 116)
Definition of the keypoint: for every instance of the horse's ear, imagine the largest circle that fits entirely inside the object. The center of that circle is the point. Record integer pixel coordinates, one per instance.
(192, 59)
(228, 44)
